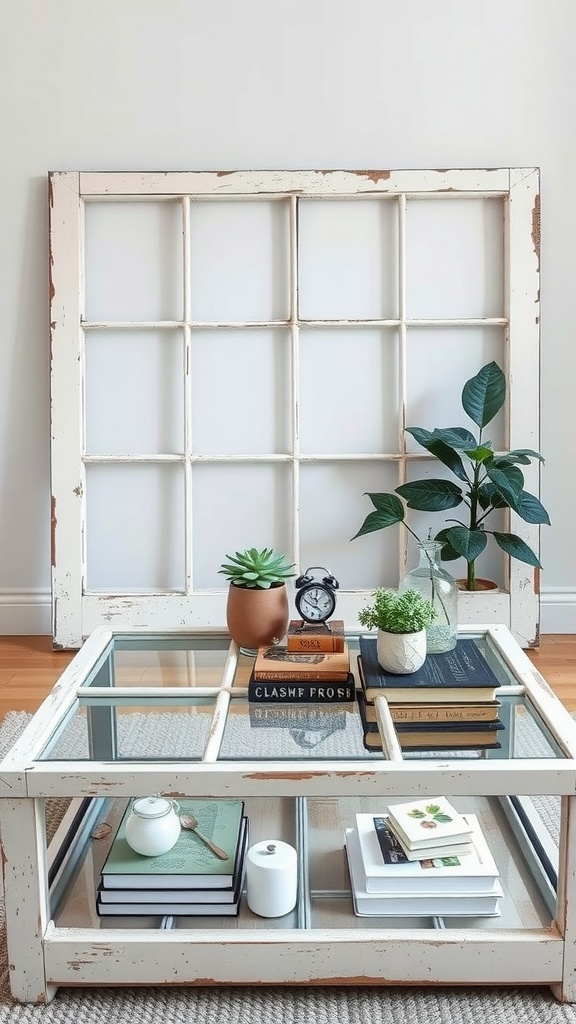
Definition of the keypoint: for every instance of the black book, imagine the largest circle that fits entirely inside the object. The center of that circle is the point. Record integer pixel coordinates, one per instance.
(302, 691)
(433, 735)
(462, 675)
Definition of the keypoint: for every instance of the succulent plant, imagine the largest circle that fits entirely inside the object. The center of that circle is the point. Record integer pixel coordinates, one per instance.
(396, 612)
(257, 569)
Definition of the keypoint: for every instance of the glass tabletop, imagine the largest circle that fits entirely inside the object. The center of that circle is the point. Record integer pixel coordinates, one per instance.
(156, 698)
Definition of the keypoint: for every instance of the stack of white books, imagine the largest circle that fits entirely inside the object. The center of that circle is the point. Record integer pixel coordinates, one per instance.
(430, 827)
(386, 883)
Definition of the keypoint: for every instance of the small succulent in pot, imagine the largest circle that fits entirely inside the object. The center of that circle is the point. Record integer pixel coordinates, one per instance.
(256, 569)
(257, 610)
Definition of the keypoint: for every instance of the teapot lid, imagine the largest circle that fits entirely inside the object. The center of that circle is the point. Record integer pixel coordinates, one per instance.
(151, 806)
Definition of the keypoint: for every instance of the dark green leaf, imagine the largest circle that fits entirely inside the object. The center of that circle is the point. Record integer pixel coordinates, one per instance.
(489, 495)
(509, 482)
(430, 495)
(468, 543)
(375, 521)
(484, 395)
(442, 451)
(480, 454)
(527, 452)
(532, 510)
(390, 504)
(447, 553)
(511, 458)
(454, 437)
(516, 547)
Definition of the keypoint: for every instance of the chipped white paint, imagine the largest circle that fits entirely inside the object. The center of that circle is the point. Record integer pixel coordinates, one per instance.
(44, 954)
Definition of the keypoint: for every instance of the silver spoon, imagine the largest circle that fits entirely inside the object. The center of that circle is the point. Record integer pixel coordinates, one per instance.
(189, 821)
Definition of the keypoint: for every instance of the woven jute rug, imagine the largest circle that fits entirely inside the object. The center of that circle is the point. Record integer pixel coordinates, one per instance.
(272, 1005)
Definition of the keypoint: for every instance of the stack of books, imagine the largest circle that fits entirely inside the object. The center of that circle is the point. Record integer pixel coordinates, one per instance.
(187, 881)
(312, 667)
(448, 878)
(448, 704)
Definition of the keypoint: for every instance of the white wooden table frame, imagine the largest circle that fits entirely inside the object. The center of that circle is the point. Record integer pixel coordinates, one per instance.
(43, 956)
(76, 610)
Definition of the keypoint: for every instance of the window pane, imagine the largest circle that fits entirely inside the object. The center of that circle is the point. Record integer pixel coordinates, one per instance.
(133, 261)
(135, 528)
(237, 507)
(239, 383)
(134, 395)
(455, 258)
(333, 508)
(439, 362)
(348, 259)
(239, 260)
(348, 390)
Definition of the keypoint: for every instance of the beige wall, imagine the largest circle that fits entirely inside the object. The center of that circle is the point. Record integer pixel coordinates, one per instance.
(183, 84)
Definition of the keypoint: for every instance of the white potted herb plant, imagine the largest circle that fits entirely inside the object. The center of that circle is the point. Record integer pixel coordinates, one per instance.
(400, 619)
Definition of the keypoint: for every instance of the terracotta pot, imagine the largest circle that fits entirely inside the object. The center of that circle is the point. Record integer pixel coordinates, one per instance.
(401, 653)
(479, 584)
(256, 617)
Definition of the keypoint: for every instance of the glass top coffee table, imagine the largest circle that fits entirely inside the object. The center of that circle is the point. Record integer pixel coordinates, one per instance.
(137, 713)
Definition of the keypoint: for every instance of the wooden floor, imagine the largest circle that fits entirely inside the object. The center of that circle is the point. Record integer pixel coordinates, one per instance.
(29, 668)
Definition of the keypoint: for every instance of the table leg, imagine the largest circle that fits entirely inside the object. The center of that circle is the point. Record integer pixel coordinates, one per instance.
(26, 894)
(566, 906)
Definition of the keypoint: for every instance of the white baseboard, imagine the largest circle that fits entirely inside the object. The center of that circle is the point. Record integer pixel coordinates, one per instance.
(29, 613)
(25, 612)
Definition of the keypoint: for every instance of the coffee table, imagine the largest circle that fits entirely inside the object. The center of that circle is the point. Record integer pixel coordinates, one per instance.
(137, 713)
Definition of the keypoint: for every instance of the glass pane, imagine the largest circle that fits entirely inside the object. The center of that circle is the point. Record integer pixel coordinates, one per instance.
(237, 507)
(155, 730)
(292, 731)
(239, 257)
(348, 259)
(133, 261)
(133, 390)
(433, 396)
(354, 411)
(455, 258)
(250, 372)
(135, 528)
(167, 668)
(333, 507)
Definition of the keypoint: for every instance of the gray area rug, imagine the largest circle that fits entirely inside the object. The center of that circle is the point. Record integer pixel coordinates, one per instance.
(270, 1005)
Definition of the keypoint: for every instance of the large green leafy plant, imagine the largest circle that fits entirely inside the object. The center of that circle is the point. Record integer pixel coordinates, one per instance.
(486, 481)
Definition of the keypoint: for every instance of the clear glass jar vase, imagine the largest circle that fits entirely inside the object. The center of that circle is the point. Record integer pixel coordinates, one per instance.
(431, 580)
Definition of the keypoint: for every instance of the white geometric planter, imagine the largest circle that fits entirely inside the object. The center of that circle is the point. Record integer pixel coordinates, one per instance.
(401, 653)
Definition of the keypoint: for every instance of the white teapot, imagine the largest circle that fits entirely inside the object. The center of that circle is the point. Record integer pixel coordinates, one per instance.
(153, 825)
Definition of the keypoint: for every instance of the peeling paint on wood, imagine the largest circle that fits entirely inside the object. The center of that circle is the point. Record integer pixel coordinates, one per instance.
(53, 523)
(536, 228)
(374, 176)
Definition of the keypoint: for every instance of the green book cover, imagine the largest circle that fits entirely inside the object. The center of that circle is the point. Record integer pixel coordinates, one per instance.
(190, 862)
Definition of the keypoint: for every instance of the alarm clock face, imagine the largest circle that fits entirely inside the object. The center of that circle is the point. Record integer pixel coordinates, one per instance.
(315, 602)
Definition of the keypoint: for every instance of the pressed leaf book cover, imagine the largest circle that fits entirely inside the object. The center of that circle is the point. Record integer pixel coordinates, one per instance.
(422, 823)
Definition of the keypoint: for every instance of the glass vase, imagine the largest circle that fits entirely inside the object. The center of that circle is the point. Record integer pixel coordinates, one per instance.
(431, 580)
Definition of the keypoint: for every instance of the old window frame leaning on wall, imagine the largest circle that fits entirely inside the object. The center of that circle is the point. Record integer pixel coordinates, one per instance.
(76, 610)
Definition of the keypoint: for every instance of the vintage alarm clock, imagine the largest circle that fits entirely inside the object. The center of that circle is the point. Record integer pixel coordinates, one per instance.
(316, 598)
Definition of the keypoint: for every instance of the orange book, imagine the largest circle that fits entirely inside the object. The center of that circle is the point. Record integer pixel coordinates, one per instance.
(277, 663)
(311, 638)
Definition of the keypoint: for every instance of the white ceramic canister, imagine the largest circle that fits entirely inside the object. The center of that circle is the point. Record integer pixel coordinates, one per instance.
(153, 825)
(271, 878)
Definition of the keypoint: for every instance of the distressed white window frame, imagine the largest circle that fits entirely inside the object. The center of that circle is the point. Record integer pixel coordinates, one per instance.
(76, 612)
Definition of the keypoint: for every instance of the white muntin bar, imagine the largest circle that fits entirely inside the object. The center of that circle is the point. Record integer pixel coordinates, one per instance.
(390, 744)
